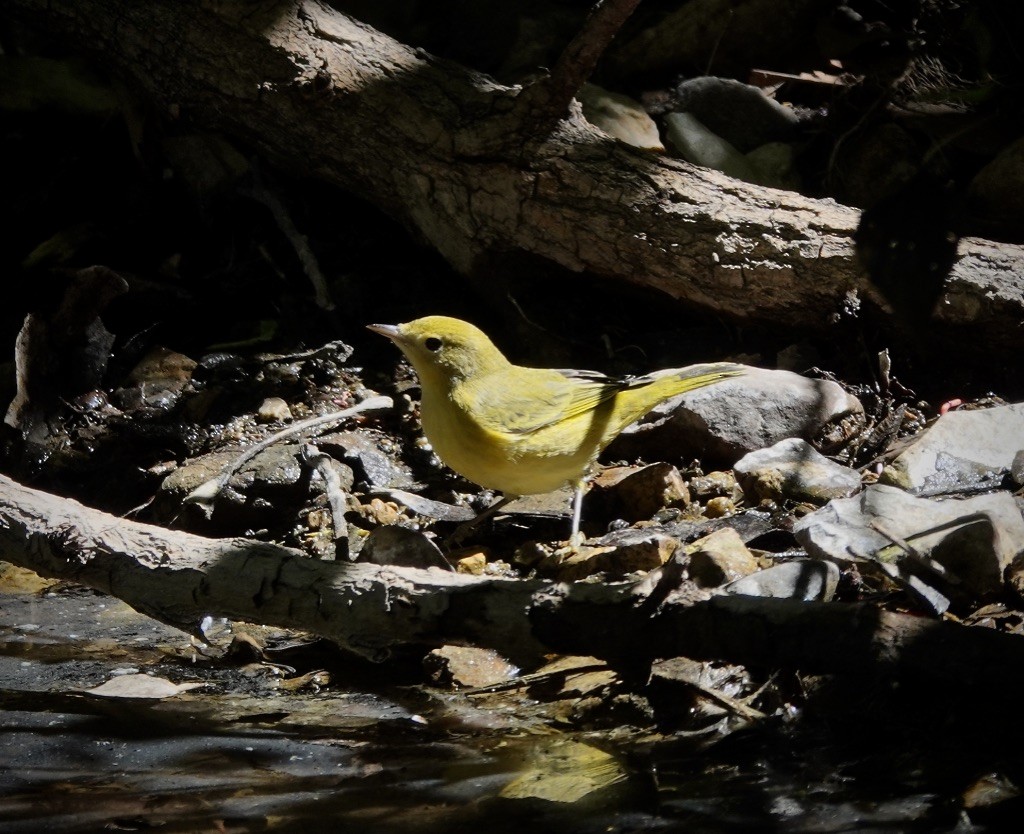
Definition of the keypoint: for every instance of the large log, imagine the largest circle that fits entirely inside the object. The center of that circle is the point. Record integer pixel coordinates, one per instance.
(443, 149)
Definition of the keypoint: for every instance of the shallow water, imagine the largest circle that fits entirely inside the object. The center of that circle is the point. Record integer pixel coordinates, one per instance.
(240, 754)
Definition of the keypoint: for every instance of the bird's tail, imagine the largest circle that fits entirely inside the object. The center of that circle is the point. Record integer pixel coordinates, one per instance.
(645, 392)
(681, 380)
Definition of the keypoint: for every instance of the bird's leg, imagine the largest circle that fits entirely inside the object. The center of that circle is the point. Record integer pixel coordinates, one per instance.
(576, 539)
(467, 527)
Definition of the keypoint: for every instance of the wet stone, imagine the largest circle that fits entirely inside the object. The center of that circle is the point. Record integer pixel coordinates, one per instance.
(467, 667)
(793, 469)
(713, 485)
(961, 449)
(157, 381)
(720, 507)
(676, 690)
(196, 472)
(273, 468)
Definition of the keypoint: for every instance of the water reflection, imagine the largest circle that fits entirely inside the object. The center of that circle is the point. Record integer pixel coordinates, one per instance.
(242, 754)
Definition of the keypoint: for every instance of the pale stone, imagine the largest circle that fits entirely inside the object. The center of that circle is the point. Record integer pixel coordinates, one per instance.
(794, 469)
(619, 116)
(273, 410)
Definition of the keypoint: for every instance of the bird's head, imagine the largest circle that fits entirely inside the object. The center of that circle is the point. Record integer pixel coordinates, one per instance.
(444, 350)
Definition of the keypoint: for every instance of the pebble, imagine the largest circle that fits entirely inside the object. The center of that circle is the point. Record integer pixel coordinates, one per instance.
(719, 558)
(713, 485)
(474, 563)
(719, 507)
(273, 410)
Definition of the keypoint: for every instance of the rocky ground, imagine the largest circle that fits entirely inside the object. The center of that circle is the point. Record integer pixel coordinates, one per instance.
(192, 381)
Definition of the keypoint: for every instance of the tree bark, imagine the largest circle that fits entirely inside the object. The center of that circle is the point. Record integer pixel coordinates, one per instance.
(442, 148)
(180, 578)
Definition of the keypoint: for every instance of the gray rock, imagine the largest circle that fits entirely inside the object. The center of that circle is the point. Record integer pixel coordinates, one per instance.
(723, 422)
(272, 475)
(701, 146)
(794, 469)
(195, 473)
(273, 468)
(770, 165)
(804, 579)
(958, 544)
(741, 113)
(962, 449)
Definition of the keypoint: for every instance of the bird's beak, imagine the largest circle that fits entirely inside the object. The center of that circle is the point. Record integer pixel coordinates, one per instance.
(389, 330)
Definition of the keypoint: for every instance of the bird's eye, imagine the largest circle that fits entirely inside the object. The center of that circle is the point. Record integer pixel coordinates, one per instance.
(433, 344)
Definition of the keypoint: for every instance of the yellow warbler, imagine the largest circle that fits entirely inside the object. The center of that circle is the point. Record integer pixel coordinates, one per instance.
(523, 430)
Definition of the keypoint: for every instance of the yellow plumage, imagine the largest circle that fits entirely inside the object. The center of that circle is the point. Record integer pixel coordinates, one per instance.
(524, 430)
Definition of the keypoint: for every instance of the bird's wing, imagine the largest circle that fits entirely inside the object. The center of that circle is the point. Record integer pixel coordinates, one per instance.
(524, 400)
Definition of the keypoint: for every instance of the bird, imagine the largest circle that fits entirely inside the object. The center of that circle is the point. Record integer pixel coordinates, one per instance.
(521, 430)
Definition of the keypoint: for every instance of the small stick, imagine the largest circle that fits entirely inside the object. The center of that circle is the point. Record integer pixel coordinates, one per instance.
(327, 467)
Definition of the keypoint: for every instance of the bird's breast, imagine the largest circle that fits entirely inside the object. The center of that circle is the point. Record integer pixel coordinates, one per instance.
(514, 463)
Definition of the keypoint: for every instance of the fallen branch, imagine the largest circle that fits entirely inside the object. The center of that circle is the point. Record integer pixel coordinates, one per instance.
(180, 578)
(440, 147)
